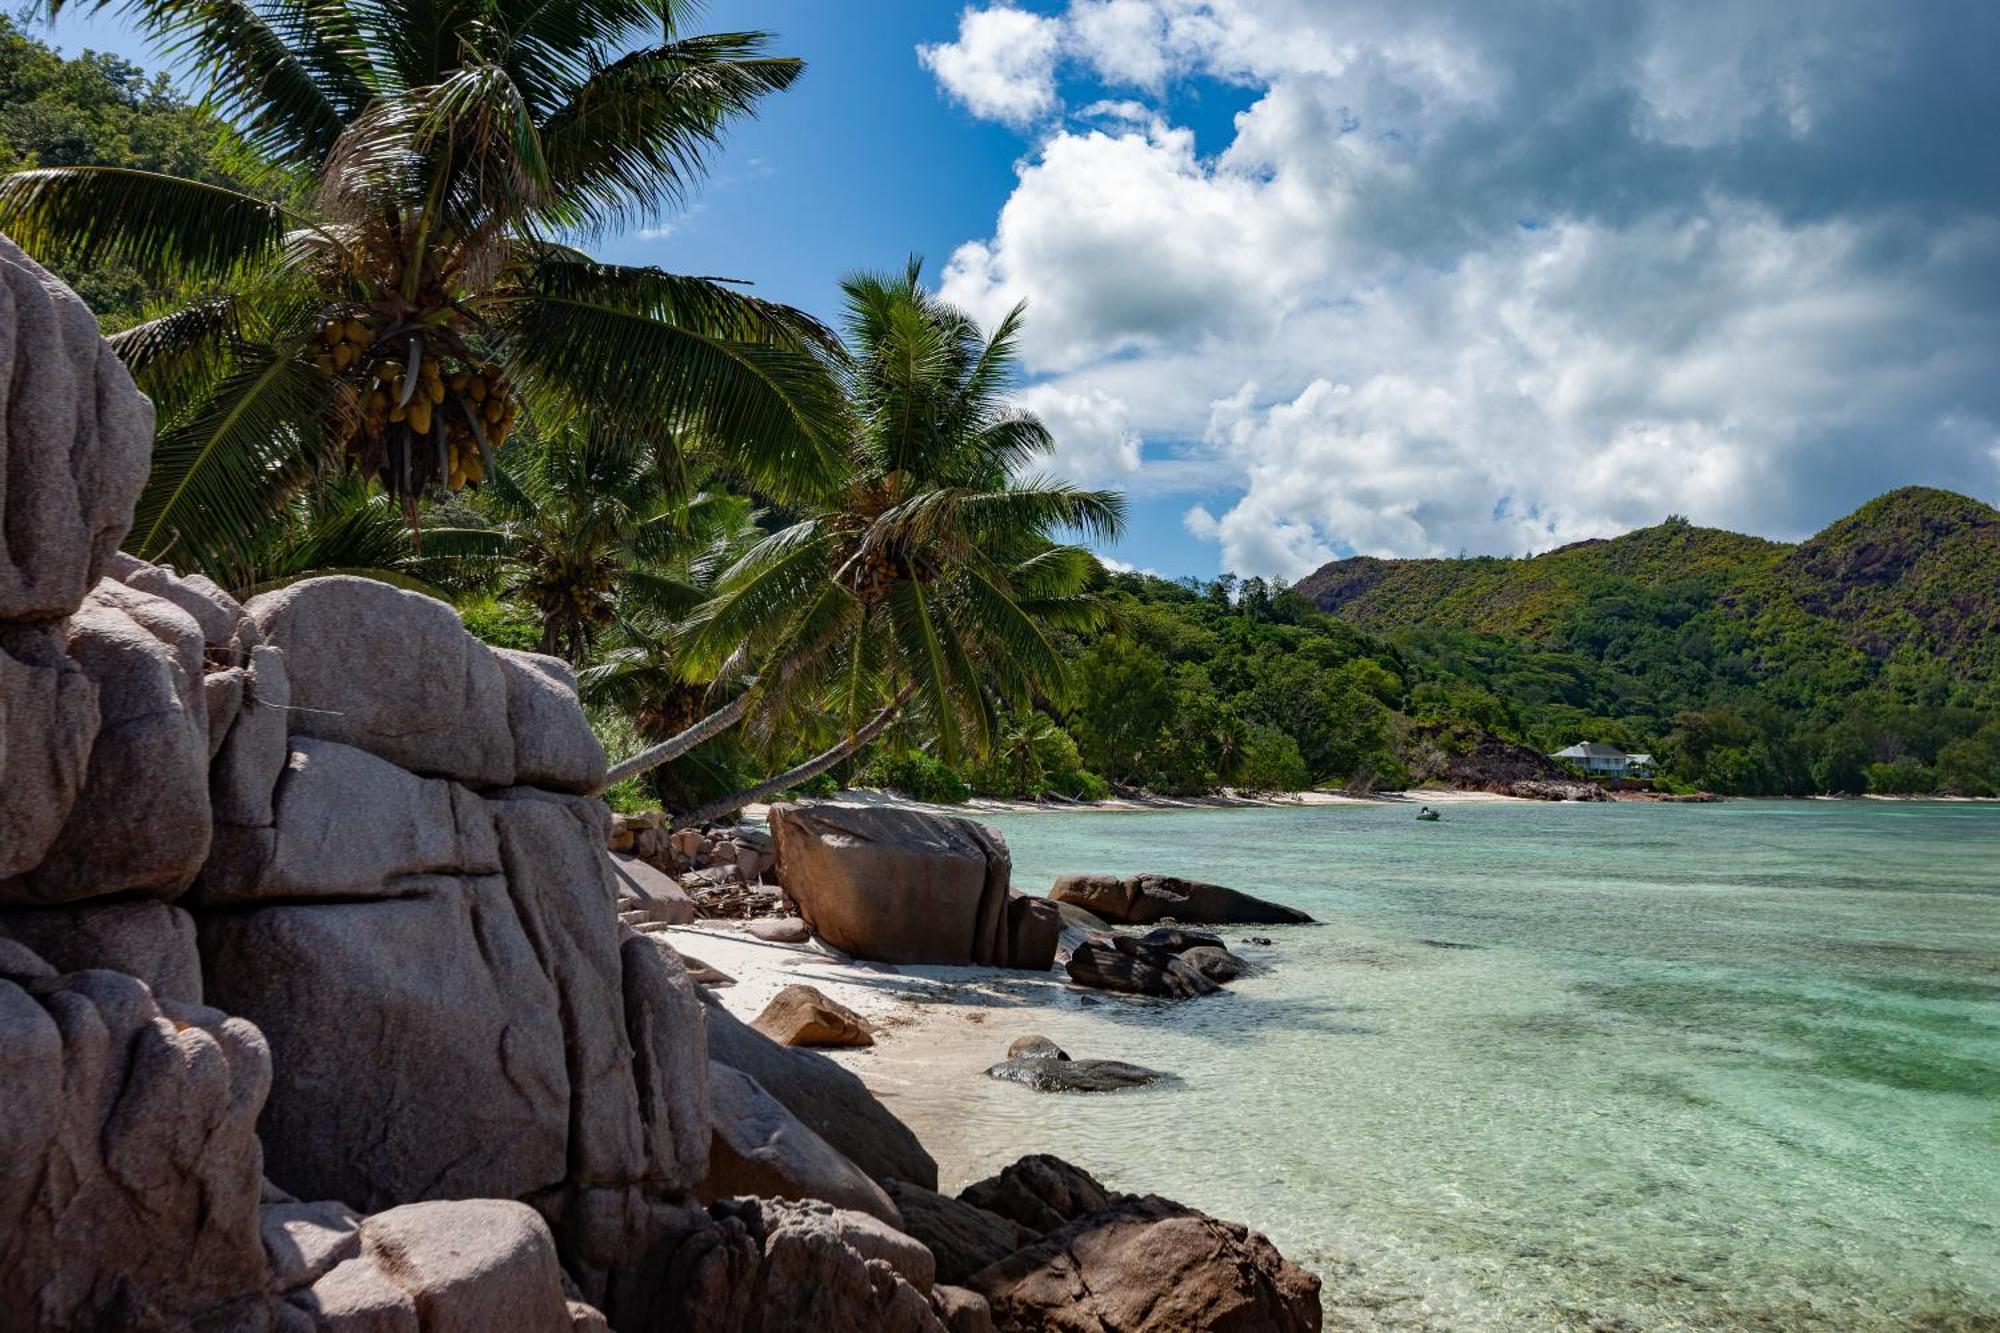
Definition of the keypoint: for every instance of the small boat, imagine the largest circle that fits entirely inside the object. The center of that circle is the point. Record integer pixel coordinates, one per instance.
(1428, 815)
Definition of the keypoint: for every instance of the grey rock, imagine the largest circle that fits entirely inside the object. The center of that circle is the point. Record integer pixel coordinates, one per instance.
(463, 1266)
(220, 616)
(349, 825)
(831, 1101)
(962, 1238)
(1045, 1075)
(140, 825)
(560, 882)
(760, 1148)
(653, 891)
(961, 1310)
(553, 744)
(76, 439)
(668, 1028)
(48, 719)
(391, 672)
(129, 1158)
(419, 1052)
(244, 775)
(1034, 932)
(152, 941)
(304, 1241)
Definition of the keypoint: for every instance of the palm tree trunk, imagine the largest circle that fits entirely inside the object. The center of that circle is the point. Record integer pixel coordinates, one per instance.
(721, 720)
(805, 772)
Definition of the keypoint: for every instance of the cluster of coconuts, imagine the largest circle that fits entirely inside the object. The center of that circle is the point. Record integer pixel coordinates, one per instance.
(421, 420)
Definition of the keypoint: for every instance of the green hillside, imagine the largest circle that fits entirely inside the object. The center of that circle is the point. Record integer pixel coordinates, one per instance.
(1867, 657)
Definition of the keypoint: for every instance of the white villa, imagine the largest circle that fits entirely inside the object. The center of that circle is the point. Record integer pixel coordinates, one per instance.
(1606, 761)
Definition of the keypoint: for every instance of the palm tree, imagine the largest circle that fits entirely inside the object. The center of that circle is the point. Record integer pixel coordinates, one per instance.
(935, 580)
(401, 291)
(588, 533)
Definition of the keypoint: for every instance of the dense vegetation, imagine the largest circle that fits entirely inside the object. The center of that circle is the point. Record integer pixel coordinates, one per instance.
(756, 560)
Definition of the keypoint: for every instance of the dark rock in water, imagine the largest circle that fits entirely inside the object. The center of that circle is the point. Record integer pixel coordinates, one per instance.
(1264, 940)
(1046, 1075)
(1035, 1047)
(1141, 900)
(1180, 940)
(1122, 963)
(1446, 944)
(1215, 963)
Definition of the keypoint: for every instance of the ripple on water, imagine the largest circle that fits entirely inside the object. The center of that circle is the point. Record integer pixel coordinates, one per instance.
(1596, 1068)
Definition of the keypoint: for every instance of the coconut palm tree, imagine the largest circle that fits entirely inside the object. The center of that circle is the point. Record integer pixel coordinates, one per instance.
(934, 582)
(586, 532)
(404, 288)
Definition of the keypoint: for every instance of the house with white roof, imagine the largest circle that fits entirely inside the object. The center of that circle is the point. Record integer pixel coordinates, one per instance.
(1606, 761)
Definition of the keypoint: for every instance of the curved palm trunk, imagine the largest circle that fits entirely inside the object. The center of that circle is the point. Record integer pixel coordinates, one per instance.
(721, 720)
(805, 772)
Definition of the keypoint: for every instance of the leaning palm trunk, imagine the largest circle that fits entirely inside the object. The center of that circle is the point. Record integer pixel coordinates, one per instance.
(721, 720)
(805, 772)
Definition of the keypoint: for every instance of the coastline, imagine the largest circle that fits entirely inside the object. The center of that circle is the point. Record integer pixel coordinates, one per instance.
(1224, 800)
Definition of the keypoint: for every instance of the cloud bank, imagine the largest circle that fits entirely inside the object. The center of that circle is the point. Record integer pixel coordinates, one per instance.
(1477, 277)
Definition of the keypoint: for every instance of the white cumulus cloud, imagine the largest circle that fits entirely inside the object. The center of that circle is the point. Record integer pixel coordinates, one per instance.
(1492, 278)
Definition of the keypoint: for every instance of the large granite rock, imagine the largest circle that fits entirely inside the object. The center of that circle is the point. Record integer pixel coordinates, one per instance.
(767, 1266)
(653, 893)
(129, 1159)
(760, 1148)
(152, 941)
(961, 1237)
(897, 886)
(1148, 1265)
(75, 441)
(1140, 900)
(831, 1101)
(553, 744)
(415, 828)
(470, 1266)
(140, 824)
(1134, 967)
(668, 1028)
(391, 672)
(48, 719)
(419, 1050)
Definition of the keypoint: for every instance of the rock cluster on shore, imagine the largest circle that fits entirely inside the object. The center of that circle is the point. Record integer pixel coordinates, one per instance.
(1142, 900)
(317, 1010)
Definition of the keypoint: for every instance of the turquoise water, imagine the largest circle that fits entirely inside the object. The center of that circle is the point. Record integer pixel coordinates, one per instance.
(1584, 1067)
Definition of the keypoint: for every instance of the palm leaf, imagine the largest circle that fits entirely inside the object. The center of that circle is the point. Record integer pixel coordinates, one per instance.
(163, 226)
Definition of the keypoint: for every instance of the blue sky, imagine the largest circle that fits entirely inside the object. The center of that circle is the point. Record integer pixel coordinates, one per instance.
(1411, 277)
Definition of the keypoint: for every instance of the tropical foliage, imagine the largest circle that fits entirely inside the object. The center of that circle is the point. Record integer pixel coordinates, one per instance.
(392, 289)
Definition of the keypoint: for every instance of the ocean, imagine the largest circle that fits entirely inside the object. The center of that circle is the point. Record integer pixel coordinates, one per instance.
(1603, 1067)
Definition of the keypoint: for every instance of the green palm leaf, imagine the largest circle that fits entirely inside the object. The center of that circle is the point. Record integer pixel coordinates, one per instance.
(161, 225)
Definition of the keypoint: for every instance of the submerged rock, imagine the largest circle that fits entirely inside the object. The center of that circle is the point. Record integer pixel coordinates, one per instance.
(1044, 1074)
(1179, 939)
(1140, 900)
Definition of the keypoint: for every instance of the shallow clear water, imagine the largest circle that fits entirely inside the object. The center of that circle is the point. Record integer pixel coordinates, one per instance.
(1546, 1066)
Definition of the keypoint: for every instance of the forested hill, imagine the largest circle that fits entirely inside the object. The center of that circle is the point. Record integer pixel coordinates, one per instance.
(1913, 575)
(1854, 660)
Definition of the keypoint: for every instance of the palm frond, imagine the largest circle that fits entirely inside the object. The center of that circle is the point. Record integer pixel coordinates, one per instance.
(163, 226)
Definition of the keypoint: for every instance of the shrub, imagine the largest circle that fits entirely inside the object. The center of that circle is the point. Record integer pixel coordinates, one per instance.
(916, 775)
